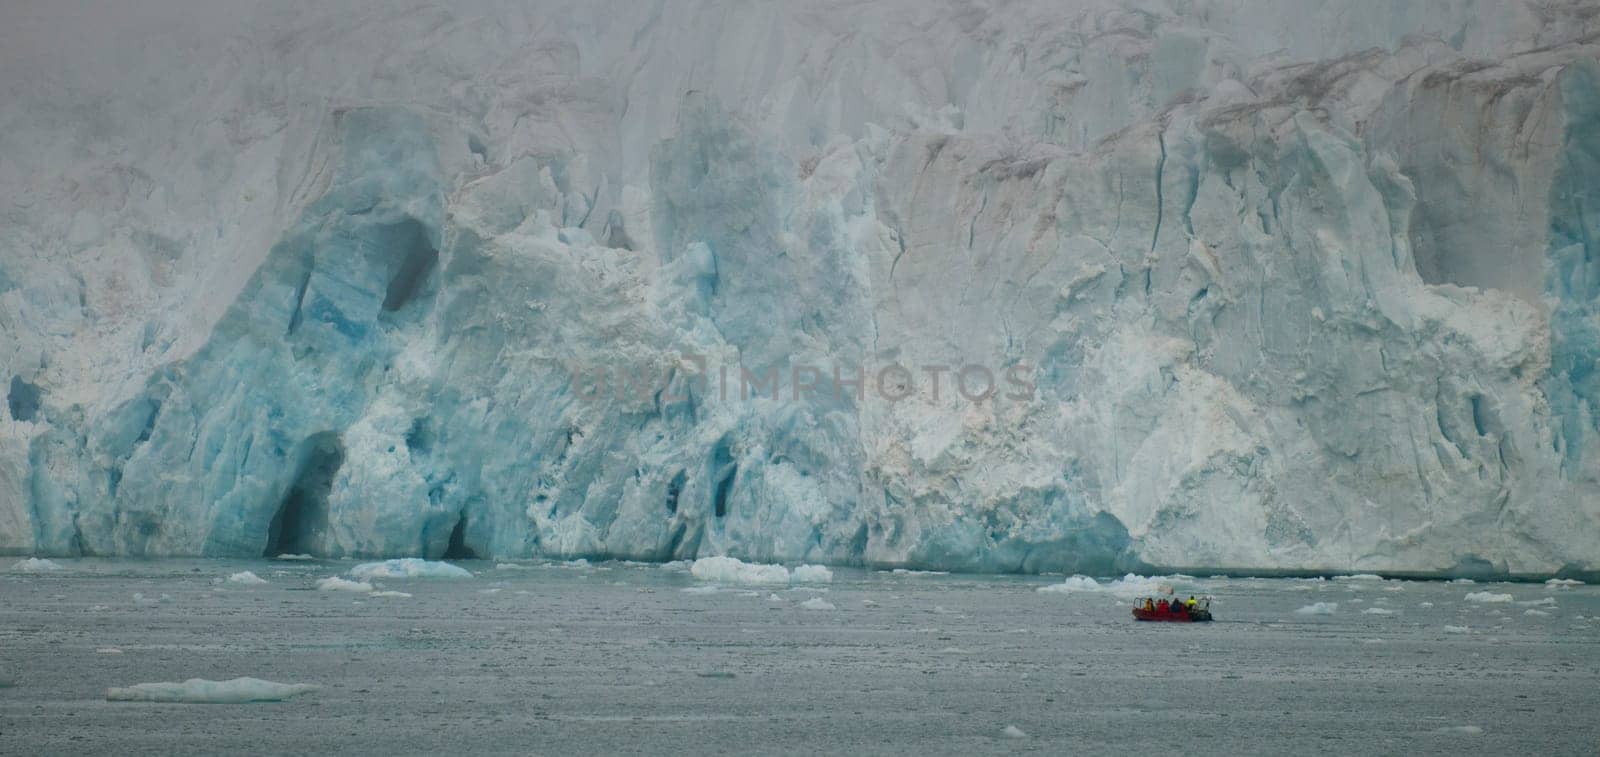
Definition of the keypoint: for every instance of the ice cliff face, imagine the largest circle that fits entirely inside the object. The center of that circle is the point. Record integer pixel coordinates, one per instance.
(1295, 286)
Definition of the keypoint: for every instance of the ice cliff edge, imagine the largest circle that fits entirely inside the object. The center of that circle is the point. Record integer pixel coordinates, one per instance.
(1308, 290)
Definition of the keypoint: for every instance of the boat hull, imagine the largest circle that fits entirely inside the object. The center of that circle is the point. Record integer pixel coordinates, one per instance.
(1168, 616)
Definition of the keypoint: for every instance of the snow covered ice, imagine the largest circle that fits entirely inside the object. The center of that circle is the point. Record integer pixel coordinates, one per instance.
(1299, 288)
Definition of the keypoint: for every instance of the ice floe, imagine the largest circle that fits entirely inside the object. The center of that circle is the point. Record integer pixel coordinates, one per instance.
(36, 565)
(246, 578)
(335, 583)
(201, 691)
(409, 567)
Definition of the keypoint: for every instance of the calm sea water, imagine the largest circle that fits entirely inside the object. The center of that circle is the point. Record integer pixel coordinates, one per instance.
(610, 658)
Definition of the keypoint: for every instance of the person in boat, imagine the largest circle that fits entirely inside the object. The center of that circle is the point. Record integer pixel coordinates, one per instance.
(1191, 602)
(1161, 606)
(1149, 604)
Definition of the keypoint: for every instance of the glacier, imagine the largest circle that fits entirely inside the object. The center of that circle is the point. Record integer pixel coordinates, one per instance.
(1297, 288)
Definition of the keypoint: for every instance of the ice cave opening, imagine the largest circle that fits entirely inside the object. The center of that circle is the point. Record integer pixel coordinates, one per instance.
(304, 512)
(416, 257)
(457, 548)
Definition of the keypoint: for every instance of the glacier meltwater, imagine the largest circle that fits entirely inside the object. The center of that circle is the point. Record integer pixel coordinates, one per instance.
(1294, 287)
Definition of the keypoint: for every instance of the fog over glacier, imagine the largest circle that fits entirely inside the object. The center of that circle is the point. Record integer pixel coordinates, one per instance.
(1285, 286)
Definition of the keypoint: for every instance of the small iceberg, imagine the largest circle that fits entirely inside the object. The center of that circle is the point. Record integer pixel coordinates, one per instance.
(201, 691)
(246, 578)
(730, 570)
(36, 565)
(812, 574)
(335, 583)
(1130, 585)
(409, 567)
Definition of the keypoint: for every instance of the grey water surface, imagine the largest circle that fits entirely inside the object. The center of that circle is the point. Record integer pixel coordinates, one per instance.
(554, 658)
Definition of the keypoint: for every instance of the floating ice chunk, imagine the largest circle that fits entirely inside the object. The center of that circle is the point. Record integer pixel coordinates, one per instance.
(36, 565)
(1013, 732)
(409, 567)
(509, 566)
(1488, 597)
(908, 572)
(394, 594)
(1425, 604)
(818, 603)
(703, 589)
(734, 571)
(1359, 577)
(1463, 581)
(201, 691)
(1129, 585)
(140, 598)
(1536, 613)
(247, 578)
(108, 650)
(287, 556)
(1320, 608)
(1071, 585)
(1562, 583)
(815, 574)
(1457, 629)
(1547, 601)
(335, 583)
(1377, 611)
(1465, 730)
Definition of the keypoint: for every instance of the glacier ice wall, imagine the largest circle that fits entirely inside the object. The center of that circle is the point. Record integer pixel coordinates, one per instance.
(1308, 288)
